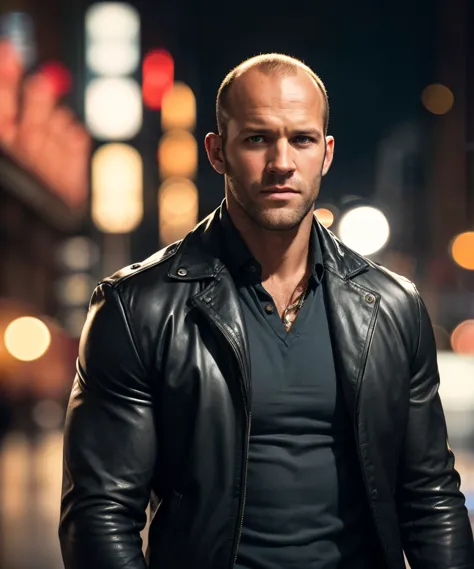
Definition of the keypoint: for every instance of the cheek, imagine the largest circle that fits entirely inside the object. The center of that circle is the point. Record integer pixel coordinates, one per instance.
(247, 166)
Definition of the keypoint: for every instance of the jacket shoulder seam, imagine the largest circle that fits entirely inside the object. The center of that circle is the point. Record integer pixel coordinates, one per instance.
(115, 281)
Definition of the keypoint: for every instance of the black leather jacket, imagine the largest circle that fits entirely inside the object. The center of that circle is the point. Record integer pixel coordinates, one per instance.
(161, 405)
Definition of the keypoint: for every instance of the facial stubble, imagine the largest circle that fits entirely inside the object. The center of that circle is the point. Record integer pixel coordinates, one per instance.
(256, 211)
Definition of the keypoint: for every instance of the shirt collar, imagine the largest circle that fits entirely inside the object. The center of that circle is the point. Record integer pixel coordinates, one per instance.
(240, 260)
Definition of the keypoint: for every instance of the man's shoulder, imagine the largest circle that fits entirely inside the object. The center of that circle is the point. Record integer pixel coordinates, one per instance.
(383, 277)
(395, 290)
(156, 266)
(365, 272)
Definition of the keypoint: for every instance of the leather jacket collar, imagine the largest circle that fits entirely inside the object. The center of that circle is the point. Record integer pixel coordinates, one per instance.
(198, 256)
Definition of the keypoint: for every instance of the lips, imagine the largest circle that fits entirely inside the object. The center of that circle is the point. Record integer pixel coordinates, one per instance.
(279, 190)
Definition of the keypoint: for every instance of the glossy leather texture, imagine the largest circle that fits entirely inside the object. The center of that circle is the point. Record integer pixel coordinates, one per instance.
(160, 411)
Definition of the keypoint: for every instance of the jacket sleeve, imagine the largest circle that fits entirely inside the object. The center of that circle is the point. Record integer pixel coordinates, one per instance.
(434, 523)
(109, 444)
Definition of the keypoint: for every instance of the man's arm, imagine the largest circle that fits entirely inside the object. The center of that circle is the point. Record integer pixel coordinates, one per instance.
(434, 524)
(109, 445)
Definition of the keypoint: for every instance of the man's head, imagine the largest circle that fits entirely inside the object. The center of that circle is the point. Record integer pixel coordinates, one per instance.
(272, 114)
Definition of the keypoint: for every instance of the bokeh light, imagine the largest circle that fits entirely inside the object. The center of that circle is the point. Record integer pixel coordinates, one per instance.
(325, 216)
(115, 58)
(117, 188)
(112, 39)
(78, 254)
(58, 76)
(76, 289)
(157, 77)
(364, 229)
(437, 98)
(48, 414)
(462, 338)
(178, 154)
(113, 108)
(107, 21)
(178, 108)
(462, 250)
(27, 338)
(178, 208)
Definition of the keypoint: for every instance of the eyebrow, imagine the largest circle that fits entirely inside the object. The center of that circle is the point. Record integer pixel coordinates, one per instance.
(296, 132)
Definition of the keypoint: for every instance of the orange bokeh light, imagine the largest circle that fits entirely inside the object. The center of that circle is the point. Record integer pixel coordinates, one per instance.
(325, 216)
(178, 154)
(462, 338)
(462, 250)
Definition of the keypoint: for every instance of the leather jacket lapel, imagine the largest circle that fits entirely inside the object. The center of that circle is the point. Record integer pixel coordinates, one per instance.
(352, 313)
(219, 298)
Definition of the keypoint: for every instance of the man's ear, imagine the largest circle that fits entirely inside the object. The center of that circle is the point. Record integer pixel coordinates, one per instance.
(329, 155)
(213, 143)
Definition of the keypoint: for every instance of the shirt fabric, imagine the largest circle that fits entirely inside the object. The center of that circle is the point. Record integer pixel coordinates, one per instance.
(306, 506)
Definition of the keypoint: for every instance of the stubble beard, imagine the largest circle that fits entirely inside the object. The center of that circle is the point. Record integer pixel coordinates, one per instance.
(275, 217)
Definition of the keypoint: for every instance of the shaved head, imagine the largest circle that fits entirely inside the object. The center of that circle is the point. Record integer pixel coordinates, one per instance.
(269, 64)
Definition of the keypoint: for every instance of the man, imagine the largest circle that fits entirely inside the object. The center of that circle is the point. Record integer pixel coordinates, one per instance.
(271, 392)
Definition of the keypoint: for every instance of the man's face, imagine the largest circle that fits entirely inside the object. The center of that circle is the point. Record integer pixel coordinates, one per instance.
(275, 152)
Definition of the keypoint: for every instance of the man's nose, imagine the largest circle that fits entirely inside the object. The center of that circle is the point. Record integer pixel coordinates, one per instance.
(280, 160)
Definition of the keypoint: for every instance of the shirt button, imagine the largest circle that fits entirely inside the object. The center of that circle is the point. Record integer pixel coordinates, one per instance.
(269, 308)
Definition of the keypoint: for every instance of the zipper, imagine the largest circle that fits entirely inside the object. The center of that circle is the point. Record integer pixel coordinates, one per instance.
(248, 416)
(245, 491)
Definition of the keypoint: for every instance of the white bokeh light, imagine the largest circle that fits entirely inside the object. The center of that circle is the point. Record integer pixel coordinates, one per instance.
(117, 188)
(114, 108)
(112, 21)
(364, 229)
(27, 338)
(113, 58)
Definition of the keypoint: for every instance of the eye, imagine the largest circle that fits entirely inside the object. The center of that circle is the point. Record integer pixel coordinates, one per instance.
(255, 138)
(303, 139)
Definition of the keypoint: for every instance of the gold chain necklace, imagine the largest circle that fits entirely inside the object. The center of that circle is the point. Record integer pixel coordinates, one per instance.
(285, 317)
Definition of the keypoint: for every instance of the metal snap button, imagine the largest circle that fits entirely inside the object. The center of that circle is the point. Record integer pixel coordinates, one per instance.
(182, 272)
(251, 268)
(370, 298)
(269, 308)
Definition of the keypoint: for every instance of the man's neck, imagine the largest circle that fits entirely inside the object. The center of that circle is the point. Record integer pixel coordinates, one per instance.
(283, 255)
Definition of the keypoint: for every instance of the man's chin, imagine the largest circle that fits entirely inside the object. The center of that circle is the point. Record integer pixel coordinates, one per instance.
(278, 220)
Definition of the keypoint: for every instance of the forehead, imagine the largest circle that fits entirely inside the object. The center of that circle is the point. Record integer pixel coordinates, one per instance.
(256, 96)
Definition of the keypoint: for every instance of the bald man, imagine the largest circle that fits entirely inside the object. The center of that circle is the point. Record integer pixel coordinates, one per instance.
(270, 392)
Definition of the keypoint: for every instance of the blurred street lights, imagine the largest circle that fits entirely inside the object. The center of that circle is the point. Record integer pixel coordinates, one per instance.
(325, 216)
(178, 197)
(114, 115)
(117, 179)
(462, 338)
(365, 229)
(462, 250)
(27, 338)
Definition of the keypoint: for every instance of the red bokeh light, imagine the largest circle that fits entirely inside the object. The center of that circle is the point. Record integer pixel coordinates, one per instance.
(58, 75)
(158, 77)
